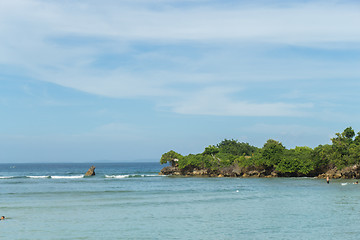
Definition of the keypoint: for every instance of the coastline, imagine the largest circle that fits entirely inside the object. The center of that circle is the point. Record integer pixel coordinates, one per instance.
(231, 158)
(352, 172)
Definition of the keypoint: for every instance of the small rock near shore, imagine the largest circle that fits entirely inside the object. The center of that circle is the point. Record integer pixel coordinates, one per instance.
(91, 171)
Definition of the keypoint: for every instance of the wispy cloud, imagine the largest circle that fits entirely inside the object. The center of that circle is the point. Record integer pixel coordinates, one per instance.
(316, 21)
(290, 134)
(218, 102)
(62, 42)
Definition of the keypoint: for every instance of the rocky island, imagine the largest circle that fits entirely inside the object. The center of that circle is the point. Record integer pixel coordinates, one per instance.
(231, 158)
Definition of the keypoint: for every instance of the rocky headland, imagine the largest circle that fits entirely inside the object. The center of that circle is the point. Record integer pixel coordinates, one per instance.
(231, 158)
(352, 172)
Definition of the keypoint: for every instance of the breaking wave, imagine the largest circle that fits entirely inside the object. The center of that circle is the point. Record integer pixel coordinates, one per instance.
(67, 177)
(6, 177)
(114, 176)
(132, 176)
(38, 176)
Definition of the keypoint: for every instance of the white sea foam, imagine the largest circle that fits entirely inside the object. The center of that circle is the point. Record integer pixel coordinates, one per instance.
(117, 176)
(6, 177)
(67, 177)
(131, 176)
(344, 184)
(38, 176)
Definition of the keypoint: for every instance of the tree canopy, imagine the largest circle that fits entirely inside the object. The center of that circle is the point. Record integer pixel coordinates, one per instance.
(344, 151)
(236, 148)
(170, 156)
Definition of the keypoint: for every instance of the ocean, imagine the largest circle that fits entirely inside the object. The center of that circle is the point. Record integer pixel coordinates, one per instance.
(131, 201)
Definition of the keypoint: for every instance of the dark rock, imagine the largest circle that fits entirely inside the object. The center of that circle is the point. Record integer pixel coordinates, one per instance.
(350, 172)
(254, 173)
(170, 171)
(200, 172)
(90, 172)
(227, 172)
(246, 172)
(236, 171)
(347, 173)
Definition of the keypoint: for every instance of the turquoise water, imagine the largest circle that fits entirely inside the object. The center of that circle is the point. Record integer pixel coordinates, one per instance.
(130, 201)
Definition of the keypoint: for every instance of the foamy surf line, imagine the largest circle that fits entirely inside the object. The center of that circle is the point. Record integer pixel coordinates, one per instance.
(41, 177)
(82, 176)
(132, 176)
(6, 177)
(55, 177)
(67, 177)
(38, 176)
(117, 176)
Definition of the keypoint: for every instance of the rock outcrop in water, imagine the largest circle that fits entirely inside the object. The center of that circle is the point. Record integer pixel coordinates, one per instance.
(90, 172)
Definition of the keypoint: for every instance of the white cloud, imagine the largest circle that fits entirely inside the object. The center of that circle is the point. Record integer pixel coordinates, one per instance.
(217, 102)
(296, 23)
(36, 34)
(287, 129)
(290, 134)
(116, 131)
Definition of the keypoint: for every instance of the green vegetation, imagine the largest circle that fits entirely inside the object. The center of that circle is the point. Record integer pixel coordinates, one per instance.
(170, 157)
(273, 156)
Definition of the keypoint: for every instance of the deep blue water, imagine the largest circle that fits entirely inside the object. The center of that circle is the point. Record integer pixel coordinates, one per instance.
(130, 201)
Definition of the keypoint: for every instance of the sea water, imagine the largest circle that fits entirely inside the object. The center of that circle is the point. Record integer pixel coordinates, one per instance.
(131, 201)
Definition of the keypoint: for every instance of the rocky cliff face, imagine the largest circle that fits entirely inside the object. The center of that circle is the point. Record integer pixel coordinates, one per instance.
(232, 171)
(236, 171)
(347, 173)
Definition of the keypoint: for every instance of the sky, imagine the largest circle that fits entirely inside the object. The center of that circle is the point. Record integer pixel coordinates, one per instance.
(128, 80)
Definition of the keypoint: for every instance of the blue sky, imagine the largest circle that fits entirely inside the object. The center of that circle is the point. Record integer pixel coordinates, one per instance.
(90, 81)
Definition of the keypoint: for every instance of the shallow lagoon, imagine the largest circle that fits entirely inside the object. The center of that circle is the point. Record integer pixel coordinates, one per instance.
(130, 201)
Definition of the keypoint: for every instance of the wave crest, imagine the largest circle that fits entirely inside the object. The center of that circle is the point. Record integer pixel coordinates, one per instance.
(67, 177)
(131, 176)
(38, 176)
